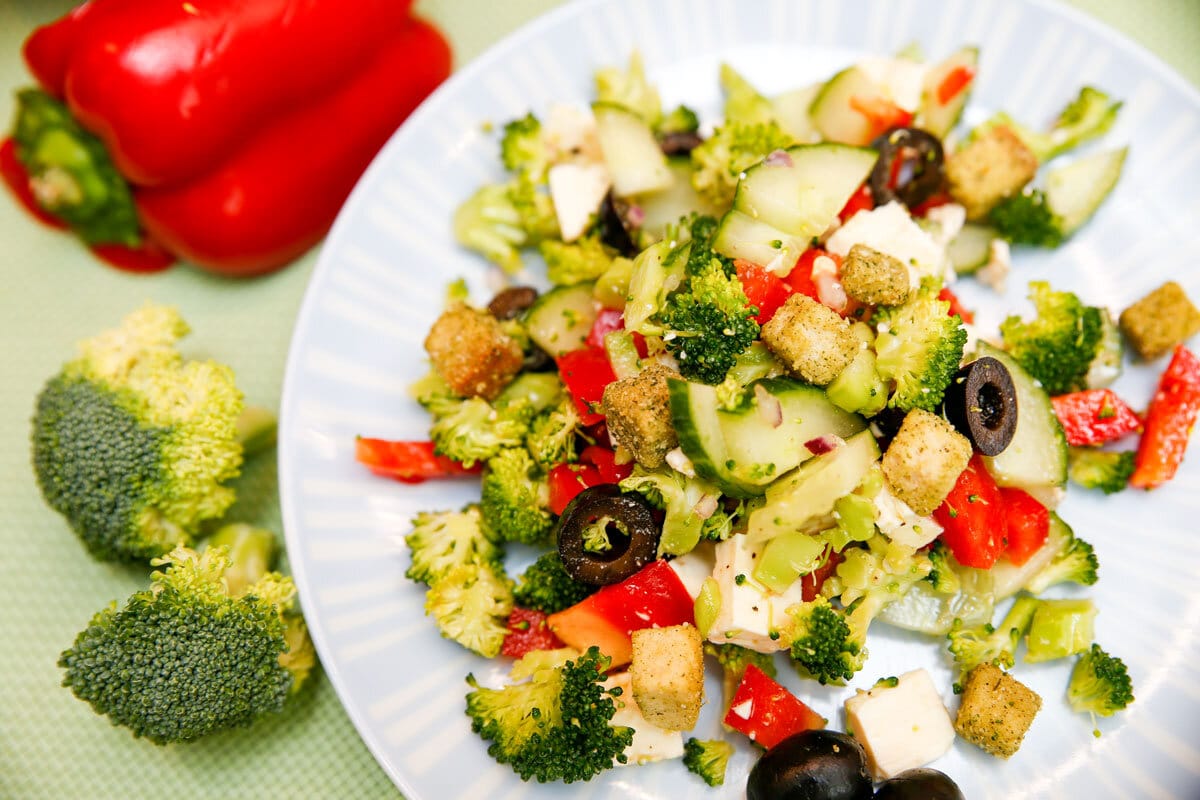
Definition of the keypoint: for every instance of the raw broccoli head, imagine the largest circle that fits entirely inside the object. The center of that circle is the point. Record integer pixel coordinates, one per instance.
(1105, 470)
(475, 430)
(500, 219)
(584, 260)
(470, 605)
(942, 576)
(513, 498)
(707, 758)
(1057, 346)
(546, 586)
(988, 644)
(1076, 562)
(441, 541)
(823, 644)
(1099, 684)
(132, 444)
(554, 727)
(551, 438)
(523, 149)
(733, 148)
(1089, 115)
(1025, 218)
(918, 348)
(185, 658)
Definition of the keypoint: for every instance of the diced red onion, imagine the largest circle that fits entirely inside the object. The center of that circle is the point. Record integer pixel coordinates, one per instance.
(680, 463)
(824, 444)
(635, 216)
(706, 506)
(778, 158)
(768, 406)
(830, 291)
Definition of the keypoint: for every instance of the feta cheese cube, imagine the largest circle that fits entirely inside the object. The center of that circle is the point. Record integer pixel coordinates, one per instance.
(577, 189)
(749, 612)
(889, 229)
(901, 727)
(650, 742)
(900, 523)
(693, 567)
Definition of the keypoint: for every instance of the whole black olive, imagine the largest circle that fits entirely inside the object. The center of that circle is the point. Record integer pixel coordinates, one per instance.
(812, 765)
(614, 226)
(981, 402)
(631, 531)
(909, 168)
(510, 303)
(919, 784)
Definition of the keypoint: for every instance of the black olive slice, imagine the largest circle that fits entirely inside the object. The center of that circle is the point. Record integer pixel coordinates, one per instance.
(616, 231)
(629, 527)
(812, 765)
(909, 168)
(512, 302)
(981, 402)
(919, 784)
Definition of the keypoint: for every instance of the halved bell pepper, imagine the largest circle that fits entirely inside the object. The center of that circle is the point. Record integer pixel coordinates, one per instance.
(1169, 421)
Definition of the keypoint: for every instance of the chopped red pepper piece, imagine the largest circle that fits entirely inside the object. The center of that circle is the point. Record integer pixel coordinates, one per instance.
(528, 631)
(605, 462)
(938, 199)
(410, 462)
(1027, 524)
(596, 465)
(810, 584)
(767, 712)
(956, 306)
(585, 372)
(765, 290)
(1169, 421)
(1094, 416)
(862, 200)
(800, 278)
(972, 517)
(882, 114)
(957, 80)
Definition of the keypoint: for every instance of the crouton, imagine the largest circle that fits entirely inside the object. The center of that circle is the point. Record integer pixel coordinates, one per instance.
(811, 339)
(996, 710)
(472, 353)
(667, 673)
(994, 165)
(1160, 320)
(638, 412)
(924, 460)
(875, 278)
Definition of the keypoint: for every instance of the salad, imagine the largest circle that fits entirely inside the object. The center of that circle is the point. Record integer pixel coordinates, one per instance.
(751, 421)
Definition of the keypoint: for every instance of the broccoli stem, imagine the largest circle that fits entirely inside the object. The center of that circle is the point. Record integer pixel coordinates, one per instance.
(251, 551)
(256, 427)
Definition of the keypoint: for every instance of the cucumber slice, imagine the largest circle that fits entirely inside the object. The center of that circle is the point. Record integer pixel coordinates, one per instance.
(663, 208)
(971, 248)
(791, 111)
(631, 152)
(1036, 459)
(741, 236)
(858, 387)
(807, 496)
(741, 451)
(923, 610)
(1074, 192)
(559, 321)
(940, 118)
(832, 113)
(647, 283)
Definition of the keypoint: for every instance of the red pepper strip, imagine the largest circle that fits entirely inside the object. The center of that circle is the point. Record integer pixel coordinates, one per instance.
(956, 81)
(972, 517)
(16, 178)
(528, 631)
(862, 200)
(938, 199)
(881, 113)
(763, 289)
(275, 197)
(810, 584)
(767, 712)
(605, 462)
(1094, 416)
(173, 88)
(409, 462)
(956, 306)
(1027, 525)
(596, 465)
(585, 373)
(1169, 421)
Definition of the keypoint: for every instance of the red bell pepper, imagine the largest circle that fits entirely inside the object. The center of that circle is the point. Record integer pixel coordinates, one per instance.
(972, 517)
(585, 372)
(765, 291)
(596, 465)
(810, 584)
(881, 114)
(232, 132)
(410, 462)
(767, 712)
(1094, 416)
(862, 200)
(1026, 524)
(956, 306)
(1169, 421)
(528, 631)
(956, 81)
(800, 279)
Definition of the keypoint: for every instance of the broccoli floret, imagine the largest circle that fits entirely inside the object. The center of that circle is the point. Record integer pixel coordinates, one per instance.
(513, 498)
(990, 644)
(186, 658)
(444, 540)
(584, 260)
(551, 438)
(629, 88)
(522, 148)
(546, 586)
(434, 394)
(733, 148)
(681, 120)
(1075, 563)
(942, 576)
(470, 605)
(708, 758)
(554, 727)
(1100, 469)
(1025, 218)
(499, 219)
(132, 444)
(678, 495)
(475, 430)
(743, 102)
(1099, 684)
(918, 348)
(1057, 347)
(1086, 117)
(823, 643)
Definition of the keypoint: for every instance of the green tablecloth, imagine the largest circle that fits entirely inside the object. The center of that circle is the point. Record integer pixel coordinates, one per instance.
(53, 293)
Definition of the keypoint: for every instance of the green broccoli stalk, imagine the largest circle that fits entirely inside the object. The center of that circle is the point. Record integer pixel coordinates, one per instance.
(470, 605)
(1059, 628)
(1105, 470)
(551, 438)
(918, 348)
(523, 149)
(441, 541)
(1099, 684)
(133, 445)
(1058, 346)
(514, 497)
(733, 148)
(500, 219)
(1026, 218)
(630, 88)
(707, 758)
(186, 658)
(476, 431)
(678, 495)
(434, 394)
(584, 260)
(546, 586)
(554, 727)
(251, 551)
(988, 644)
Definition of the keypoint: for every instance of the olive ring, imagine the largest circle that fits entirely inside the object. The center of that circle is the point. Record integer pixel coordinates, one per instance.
(633, 534)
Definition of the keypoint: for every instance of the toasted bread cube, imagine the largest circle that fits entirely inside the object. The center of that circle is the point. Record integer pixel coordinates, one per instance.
(875, 278)
(811, 339)
(638, 412)
(994, 165)
(900, 727)
(996, 710)
(667, 673)
(471, 351)
(924, 460)
(1160, 320)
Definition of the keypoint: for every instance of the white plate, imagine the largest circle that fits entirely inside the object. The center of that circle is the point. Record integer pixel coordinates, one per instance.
(380, 283)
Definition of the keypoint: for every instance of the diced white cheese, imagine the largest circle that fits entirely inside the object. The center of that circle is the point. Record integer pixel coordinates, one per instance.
(900, 523)
(901, 727)
(570, 132)
(948, 220)
(902, 81)
(995, 272)
(889, 229)
(749, 612)
(650, 742)
(693, 567)
(577, 190)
